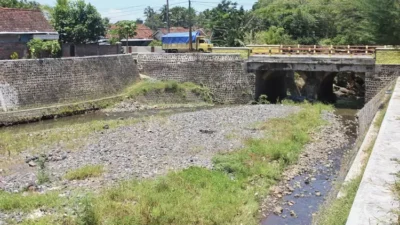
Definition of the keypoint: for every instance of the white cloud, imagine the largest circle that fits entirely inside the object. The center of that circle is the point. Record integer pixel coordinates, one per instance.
(118, 14)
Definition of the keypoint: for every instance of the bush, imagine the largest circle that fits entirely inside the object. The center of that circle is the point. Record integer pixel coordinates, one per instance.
(39, 48)
(154, 43)
(14, 55)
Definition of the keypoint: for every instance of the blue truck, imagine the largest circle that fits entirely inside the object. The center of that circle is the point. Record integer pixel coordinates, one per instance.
(179, 42)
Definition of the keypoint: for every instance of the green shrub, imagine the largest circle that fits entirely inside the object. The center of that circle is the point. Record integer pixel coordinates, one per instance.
(14, 55)
(38, 48)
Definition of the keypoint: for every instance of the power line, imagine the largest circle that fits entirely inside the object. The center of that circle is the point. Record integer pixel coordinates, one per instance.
(126, 13)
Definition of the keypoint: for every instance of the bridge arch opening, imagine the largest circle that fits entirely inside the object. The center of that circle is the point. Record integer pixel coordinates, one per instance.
(271, 84)
(345, 89)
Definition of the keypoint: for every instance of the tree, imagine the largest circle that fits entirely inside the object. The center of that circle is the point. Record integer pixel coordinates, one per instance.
(383, 19)
(153, 19)
(78, 22)
(178, 16)
(24, 4)
(228, 24)
(274, 35)
(125, 29)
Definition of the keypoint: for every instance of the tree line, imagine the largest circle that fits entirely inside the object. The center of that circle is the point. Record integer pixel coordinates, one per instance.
(324, 22)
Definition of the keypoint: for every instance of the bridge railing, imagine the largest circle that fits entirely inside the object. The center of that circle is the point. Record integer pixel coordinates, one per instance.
(314, 49)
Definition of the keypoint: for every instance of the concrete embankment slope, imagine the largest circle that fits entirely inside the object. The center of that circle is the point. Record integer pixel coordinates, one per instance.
(375, 201)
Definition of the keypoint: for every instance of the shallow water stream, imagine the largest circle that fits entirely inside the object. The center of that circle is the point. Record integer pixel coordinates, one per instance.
(97, 116)
(311, 194)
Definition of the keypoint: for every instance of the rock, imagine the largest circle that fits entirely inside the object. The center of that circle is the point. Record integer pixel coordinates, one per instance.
(32, 187)
(278, 190)
(307, 180)
(105, 127)
(292, 213)
(35, 214)
(207, 131)
(32, 164)
(317, 193)
(278, 210)
(290, 203)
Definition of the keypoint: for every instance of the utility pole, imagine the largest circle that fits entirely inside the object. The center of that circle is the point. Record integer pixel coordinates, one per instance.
(168, 16)
(190, 27)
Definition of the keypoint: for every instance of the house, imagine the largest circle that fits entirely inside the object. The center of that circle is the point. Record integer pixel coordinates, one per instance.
(163, 31)
(19, 26)
(143, 36)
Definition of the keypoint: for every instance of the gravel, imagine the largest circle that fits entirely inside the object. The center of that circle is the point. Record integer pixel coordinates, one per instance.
(152, 147)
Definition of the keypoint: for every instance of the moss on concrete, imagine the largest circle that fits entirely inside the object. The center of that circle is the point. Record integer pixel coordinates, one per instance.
(244, 53)
(30, 115)
(388, 56)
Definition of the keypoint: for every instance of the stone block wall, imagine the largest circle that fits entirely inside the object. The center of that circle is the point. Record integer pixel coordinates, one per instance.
(6, 49)
(367, 113)
(383, 75)
(41, 82)
(223, 74)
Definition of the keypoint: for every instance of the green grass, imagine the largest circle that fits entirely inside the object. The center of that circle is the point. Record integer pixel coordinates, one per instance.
(85, 172)
(339, 209)
(381, 116)
(145, 87)
(388, 56)
(18, 202)
(228, 194)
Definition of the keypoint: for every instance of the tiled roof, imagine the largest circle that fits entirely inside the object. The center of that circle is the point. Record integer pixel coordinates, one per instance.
(182, 30)
(142, 32)
(23, 21)
(174, 30)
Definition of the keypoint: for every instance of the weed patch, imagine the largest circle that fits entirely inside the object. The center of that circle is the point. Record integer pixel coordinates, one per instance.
(145, 87)
(15, 201)
(228, 194)
(339, 209)
(42, 175)
(85, 172)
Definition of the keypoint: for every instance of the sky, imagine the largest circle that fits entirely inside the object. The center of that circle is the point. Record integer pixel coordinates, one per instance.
(131, 10)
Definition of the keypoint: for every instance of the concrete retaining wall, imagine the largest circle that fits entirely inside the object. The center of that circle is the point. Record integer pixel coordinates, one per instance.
(383, 75)
(367, 113)
(223, 74)
(33, 83)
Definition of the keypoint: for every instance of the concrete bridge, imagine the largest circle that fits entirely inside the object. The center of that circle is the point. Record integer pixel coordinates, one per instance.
(275, 75)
